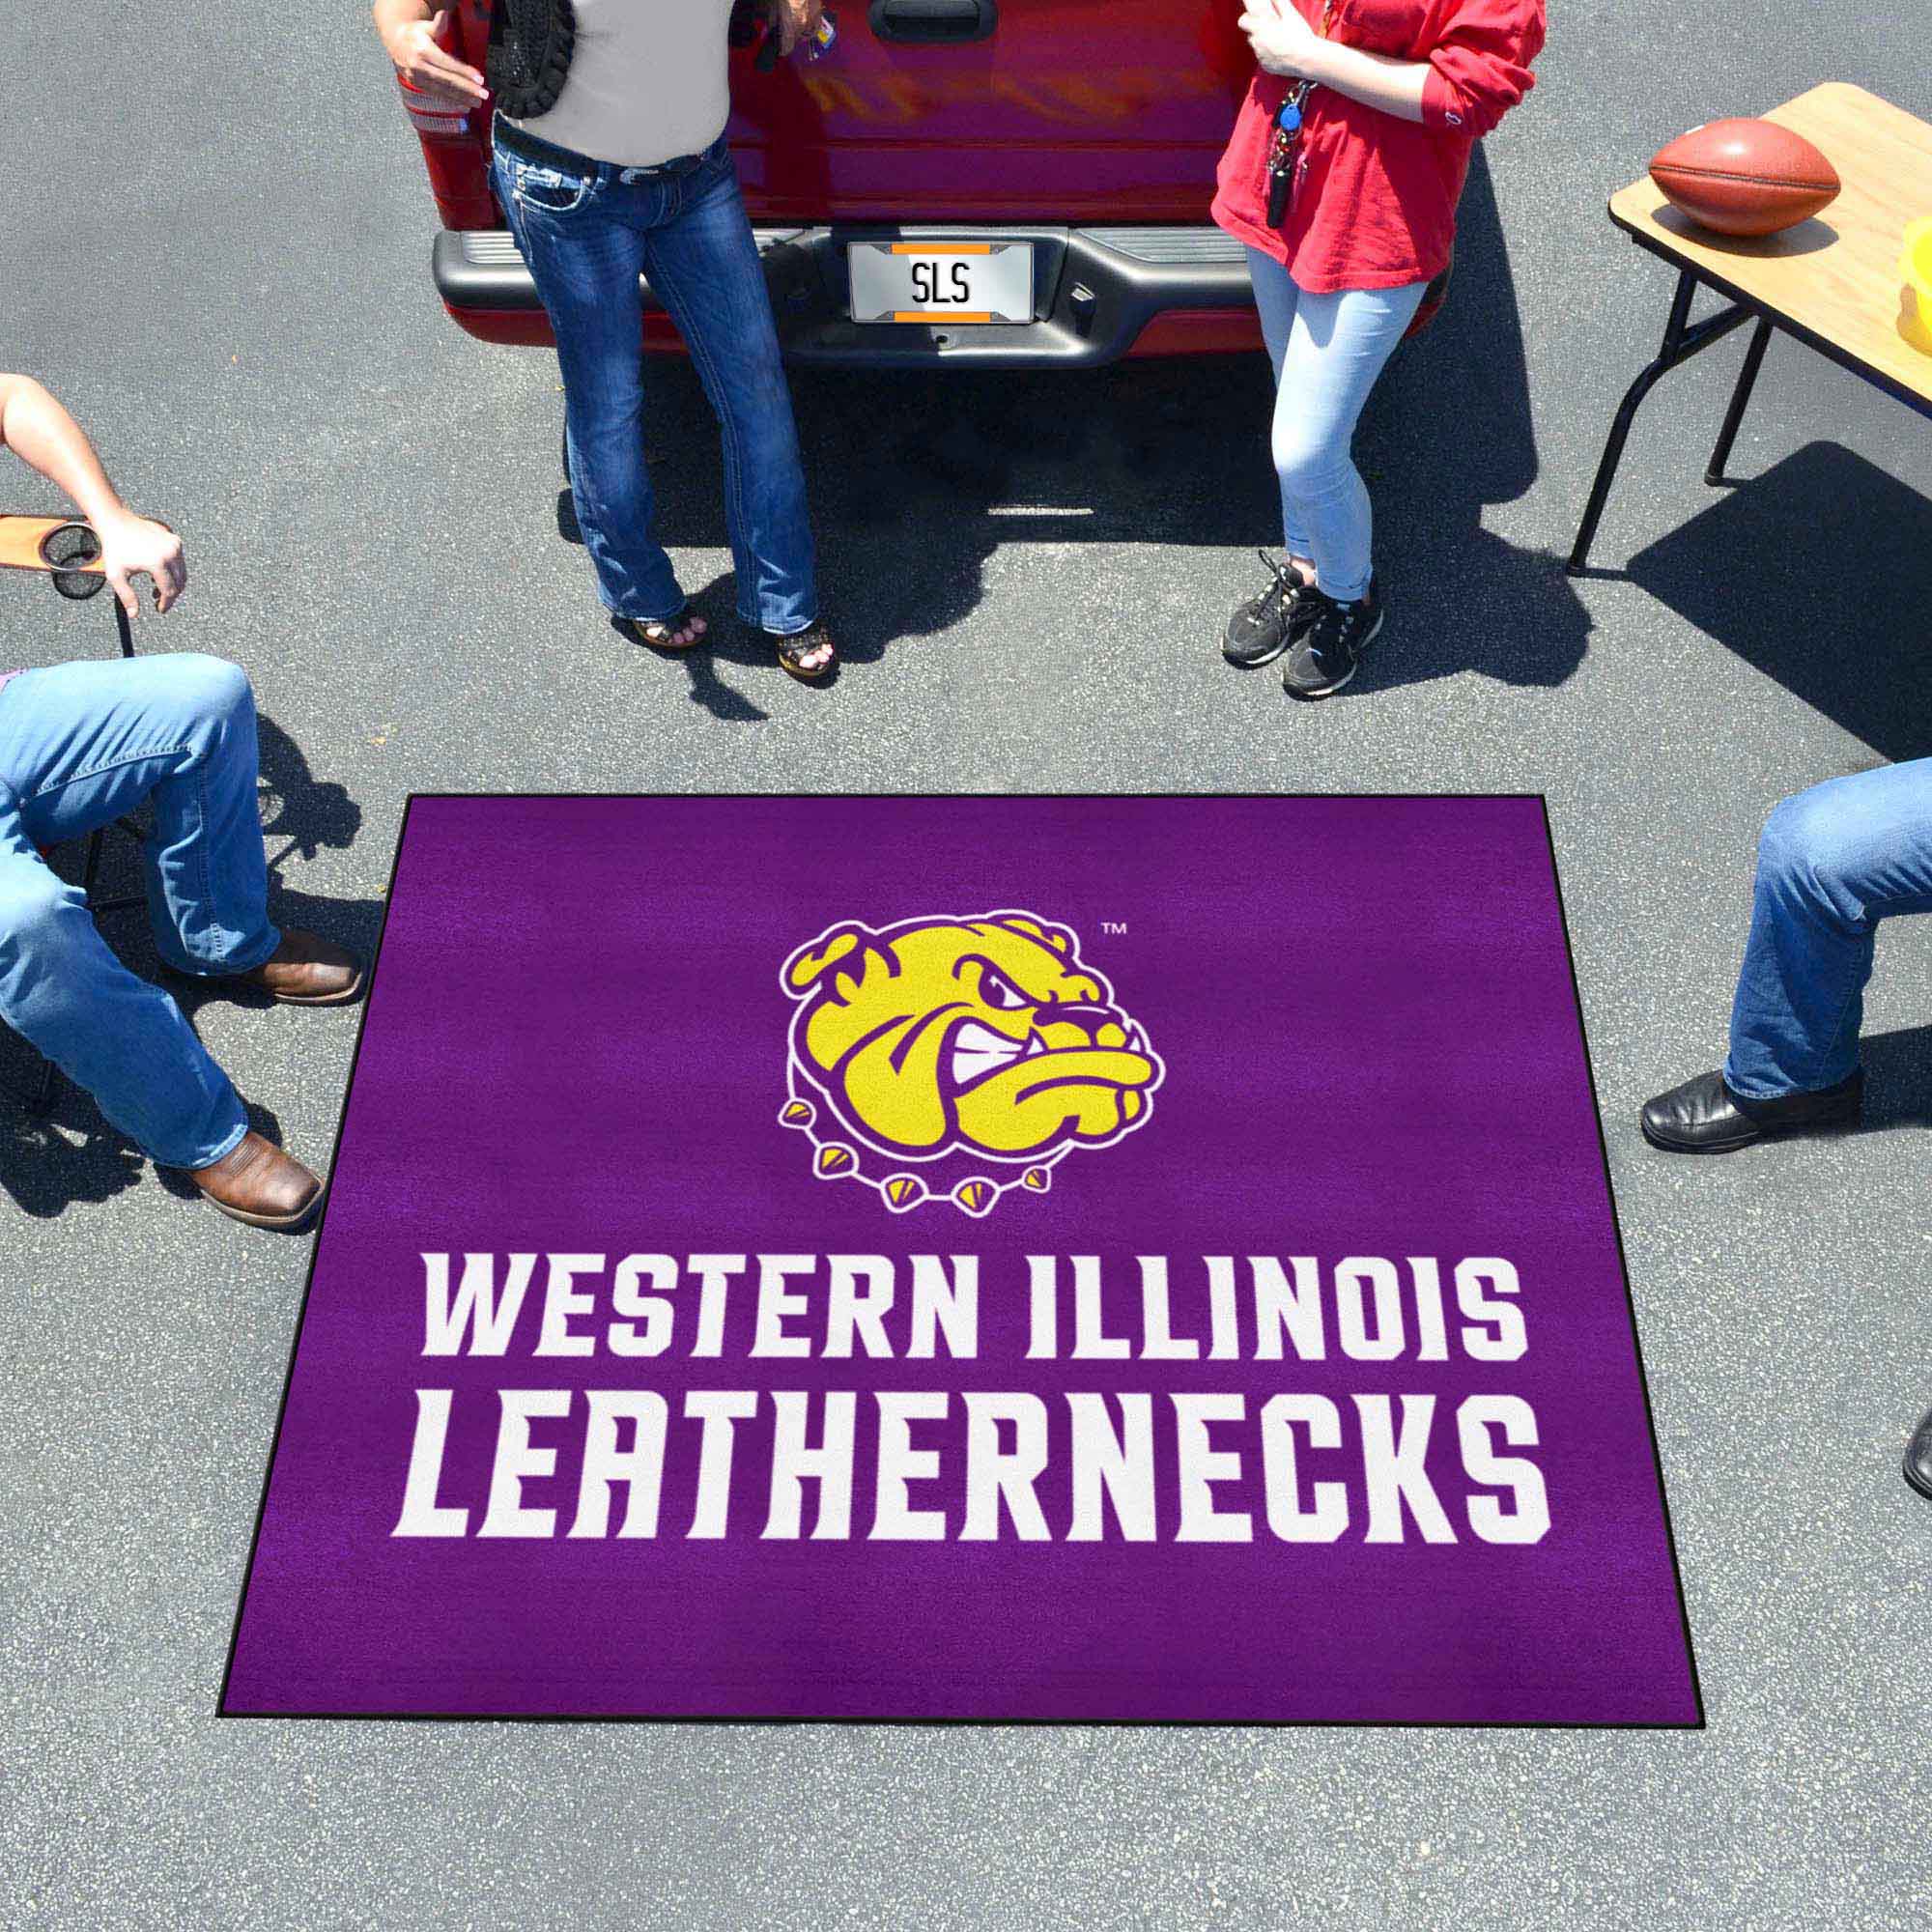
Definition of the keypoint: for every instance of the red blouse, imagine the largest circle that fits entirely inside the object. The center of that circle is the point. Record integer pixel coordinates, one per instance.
(1375, 203)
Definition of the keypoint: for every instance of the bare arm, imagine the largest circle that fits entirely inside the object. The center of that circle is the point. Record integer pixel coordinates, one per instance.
(42, 434)
(1377, 80)
(1285, 44)
(1478, 70)
(409, 29)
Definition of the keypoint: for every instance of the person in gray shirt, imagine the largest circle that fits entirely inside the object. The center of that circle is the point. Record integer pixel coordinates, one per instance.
(609, 164)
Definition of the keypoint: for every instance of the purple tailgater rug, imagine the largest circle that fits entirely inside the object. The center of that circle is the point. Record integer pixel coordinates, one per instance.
(1017, 1259)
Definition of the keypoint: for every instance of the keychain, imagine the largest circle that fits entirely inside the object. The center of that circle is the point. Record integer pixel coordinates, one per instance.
(824, 37)
(1283, 149)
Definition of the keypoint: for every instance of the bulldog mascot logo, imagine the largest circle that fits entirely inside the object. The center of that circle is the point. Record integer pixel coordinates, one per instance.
(954, 1058)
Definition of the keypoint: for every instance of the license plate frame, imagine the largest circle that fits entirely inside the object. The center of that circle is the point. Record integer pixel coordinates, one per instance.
(972, 284)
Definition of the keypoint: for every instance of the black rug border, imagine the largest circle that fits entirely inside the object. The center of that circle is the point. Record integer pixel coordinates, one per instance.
(1699, 1723)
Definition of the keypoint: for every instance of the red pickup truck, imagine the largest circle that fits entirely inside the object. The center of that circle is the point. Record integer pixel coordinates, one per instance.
(1009, 183)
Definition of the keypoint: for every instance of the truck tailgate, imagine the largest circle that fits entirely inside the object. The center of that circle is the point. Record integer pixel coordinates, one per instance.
(1055, 110)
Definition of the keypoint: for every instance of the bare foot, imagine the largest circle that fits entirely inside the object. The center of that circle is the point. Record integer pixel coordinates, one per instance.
(807, 654)
(679, 633)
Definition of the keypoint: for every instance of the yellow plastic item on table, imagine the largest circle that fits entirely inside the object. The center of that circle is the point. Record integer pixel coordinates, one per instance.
(1915, 266)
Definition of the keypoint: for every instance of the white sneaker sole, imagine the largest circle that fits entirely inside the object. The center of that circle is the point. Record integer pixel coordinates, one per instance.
(1254, 664)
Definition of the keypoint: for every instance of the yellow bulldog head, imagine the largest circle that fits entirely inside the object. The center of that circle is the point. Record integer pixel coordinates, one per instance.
(983, 1035)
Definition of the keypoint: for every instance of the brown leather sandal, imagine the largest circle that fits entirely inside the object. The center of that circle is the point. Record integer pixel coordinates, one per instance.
(795, 649)
(660, 633)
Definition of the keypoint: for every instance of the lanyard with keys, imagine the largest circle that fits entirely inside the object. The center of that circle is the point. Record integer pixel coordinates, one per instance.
(1283, 149)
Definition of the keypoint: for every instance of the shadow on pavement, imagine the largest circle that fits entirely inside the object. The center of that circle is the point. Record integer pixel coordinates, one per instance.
(1448, 432)
(917, 480)
(47, 1165)
(727, 640)
(308, 812)
(1819, 573)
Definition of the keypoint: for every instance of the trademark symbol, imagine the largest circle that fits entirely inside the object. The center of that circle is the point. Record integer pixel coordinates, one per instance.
(1117, 927)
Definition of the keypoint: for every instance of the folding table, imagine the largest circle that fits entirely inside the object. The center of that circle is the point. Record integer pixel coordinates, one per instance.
(1832, 282)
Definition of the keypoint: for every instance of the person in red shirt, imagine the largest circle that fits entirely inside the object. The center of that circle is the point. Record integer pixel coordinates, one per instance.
(1342, 177)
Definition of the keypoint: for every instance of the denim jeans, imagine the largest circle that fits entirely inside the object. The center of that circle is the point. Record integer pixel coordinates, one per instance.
(1327, 352)
(80, 744)
(587, 232)
(1833, 861)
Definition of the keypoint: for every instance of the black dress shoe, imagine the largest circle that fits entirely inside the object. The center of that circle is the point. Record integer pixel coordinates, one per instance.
(1919, 1456)
(1703, 1116)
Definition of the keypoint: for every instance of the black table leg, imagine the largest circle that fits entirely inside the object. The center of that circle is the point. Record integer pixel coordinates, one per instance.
(1740, 400)
(1620, 429)
(1680, 341)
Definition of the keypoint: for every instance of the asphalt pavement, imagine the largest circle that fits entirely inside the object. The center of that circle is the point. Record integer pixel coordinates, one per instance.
(213, 244)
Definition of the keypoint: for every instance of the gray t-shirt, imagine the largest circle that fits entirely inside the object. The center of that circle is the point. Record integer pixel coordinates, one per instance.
(648, 81)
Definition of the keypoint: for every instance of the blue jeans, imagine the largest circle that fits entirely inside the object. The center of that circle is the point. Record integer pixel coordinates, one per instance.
(80, 744)
(1327, 352)
(1833, 861)
(587, 232)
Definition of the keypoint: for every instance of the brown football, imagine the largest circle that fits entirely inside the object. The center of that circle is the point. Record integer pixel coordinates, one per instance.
(1745, 177)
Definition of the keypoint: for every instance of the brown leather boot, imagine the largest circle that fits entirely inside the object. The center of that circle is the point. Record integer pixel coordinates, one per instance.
(257, 1183)
(307, 970)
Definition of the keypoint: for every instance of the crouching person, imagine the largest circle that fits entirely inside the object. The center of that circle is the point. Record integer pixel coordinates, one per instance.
(1832, 863)
(80, 746)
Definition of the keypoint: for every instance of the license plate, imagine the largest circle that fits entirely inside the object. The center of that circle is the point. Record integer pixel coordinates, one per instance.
(941, 281)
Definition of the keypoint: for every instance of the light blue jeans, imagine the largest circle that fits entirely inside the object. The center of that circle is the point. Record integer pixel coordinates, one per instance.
(587, 229)
(80, 744)
(1832, 862)
(1327, 352)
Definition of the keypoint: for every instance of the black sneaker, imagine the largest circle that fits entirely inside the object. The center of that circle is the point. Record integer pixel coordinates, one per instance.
(1328, 653)
(1265, 626)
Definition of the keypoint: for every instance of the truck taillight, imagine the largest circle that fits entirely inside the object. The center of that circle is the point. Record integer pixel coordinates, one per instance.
(430, 117)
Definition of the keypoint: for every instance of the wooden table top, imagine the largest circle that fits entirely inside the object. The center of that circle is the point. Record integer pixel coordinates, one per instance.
(1835, 277)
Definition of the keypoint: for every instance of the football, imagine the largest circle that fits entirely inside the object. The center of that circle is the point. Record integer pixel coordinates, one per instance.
(1745, 177)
